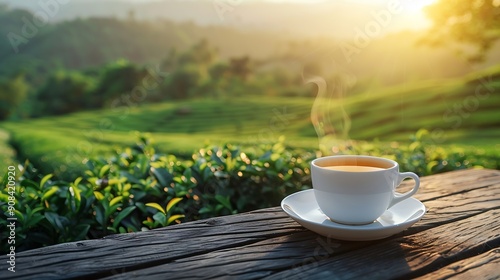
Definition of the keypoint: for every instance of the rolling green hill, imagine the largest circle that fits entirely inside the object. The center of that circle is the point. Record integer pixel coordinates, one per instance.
(465, 110)
(83, 43)
(93, 42)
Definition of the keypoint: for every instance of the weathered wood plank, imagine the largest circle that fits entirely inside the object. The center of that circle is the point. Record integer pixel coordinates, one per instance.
(445, 184)
(407, 256)
(261, 233)
(152, 247)
(483, 266)
(250, 261)
(394, 257)
(460, 205)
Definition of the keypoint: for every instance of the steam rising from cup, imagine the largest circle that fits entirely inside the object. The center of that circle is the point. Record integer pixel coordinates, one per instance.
(328, 114)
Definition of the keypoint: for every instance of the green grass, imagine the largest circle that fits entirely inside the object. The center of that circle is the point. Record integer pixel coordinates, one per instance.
(7, 154)
(387, 114)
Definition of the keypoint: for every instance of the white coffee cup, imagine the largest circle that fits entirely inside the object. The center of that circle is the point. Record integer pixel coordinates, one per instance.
(358, 189)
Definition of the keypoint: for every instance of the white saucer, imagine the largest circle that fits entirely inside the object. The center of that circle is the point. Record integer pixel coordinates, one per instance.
(302, 207)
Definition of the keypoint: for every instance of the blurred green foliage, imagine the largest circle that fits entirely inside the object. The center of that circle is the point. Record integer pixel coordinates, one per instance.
(233, 63)
(451, 110)
(7, 153)
(139, 189)
(13, 92)
(64, 92)
(469, 23)
(196, 72)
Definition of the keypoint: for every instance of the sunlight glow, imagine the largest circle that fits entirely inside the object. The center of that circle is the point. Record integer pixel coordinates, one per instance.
(416, 7)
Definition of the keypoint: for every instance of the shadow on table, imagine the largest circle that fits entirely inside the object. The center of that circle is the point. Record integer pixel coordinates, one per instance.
(314, 256)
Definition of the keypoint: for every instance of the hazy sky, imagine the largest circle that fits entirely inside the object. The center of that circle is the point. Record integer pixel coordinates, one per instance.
(313, 17)
(412, 13)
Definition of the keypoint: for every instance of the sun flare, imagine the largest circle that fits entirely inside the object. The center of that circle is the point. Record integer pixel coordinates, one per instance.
(416, 7)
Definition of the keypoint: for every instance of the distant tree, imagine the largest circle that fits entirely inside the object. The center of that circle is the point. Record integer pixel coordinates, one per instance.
(13, 92)
(191, 72)
(200, 53)
(182, 83)
(240, 67)
(218, 83)
(219, 71)
(118, 79)
(467, 22)
(171, 62)
(63, 93)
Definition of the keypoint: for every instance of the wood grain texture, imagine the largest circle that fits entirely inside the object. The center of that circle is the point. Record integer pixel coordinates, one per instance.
(482, 266)
(461, 224)
(156, 246)
(408, 256)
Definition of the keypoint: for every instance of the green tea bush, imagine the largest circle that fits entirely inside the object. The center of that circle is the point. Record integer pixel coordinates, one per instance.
(140, 189)
(422, 156)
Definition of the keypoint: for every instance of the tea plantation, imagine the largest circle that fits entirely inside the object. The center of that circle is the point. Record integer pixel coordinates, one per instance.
(463, 112)
(138, 168)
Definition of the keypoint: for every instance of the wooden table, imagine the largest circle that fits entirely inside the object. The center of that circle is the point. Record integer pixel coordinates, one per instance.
(458, 237)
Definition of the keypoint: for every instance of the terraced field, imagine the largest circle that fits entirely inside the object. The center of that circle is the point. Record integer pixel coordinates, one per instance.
(466, 110)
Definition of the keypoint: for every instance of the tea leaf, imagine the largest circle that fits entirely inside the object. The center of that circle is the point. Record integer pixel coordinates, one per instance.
(123, 214)
(173, 202)
(173, 218)
(112, 209)
(98, 195)
(81, 231)
(156, 206)
(76, 193)
(161, 218)
(19, 215)
(77, 181)
(53, 218)
(45, 179)
(115, 200)
(162, 175)
(188, 173)
(29, 183)
(34, 220)
(99, 216)
(49, 193)
(224, 201)
(104, 170)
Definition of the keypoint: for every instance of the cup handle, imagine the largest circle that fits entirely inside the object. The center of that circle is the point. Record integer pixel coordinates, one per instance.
(398, 197)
